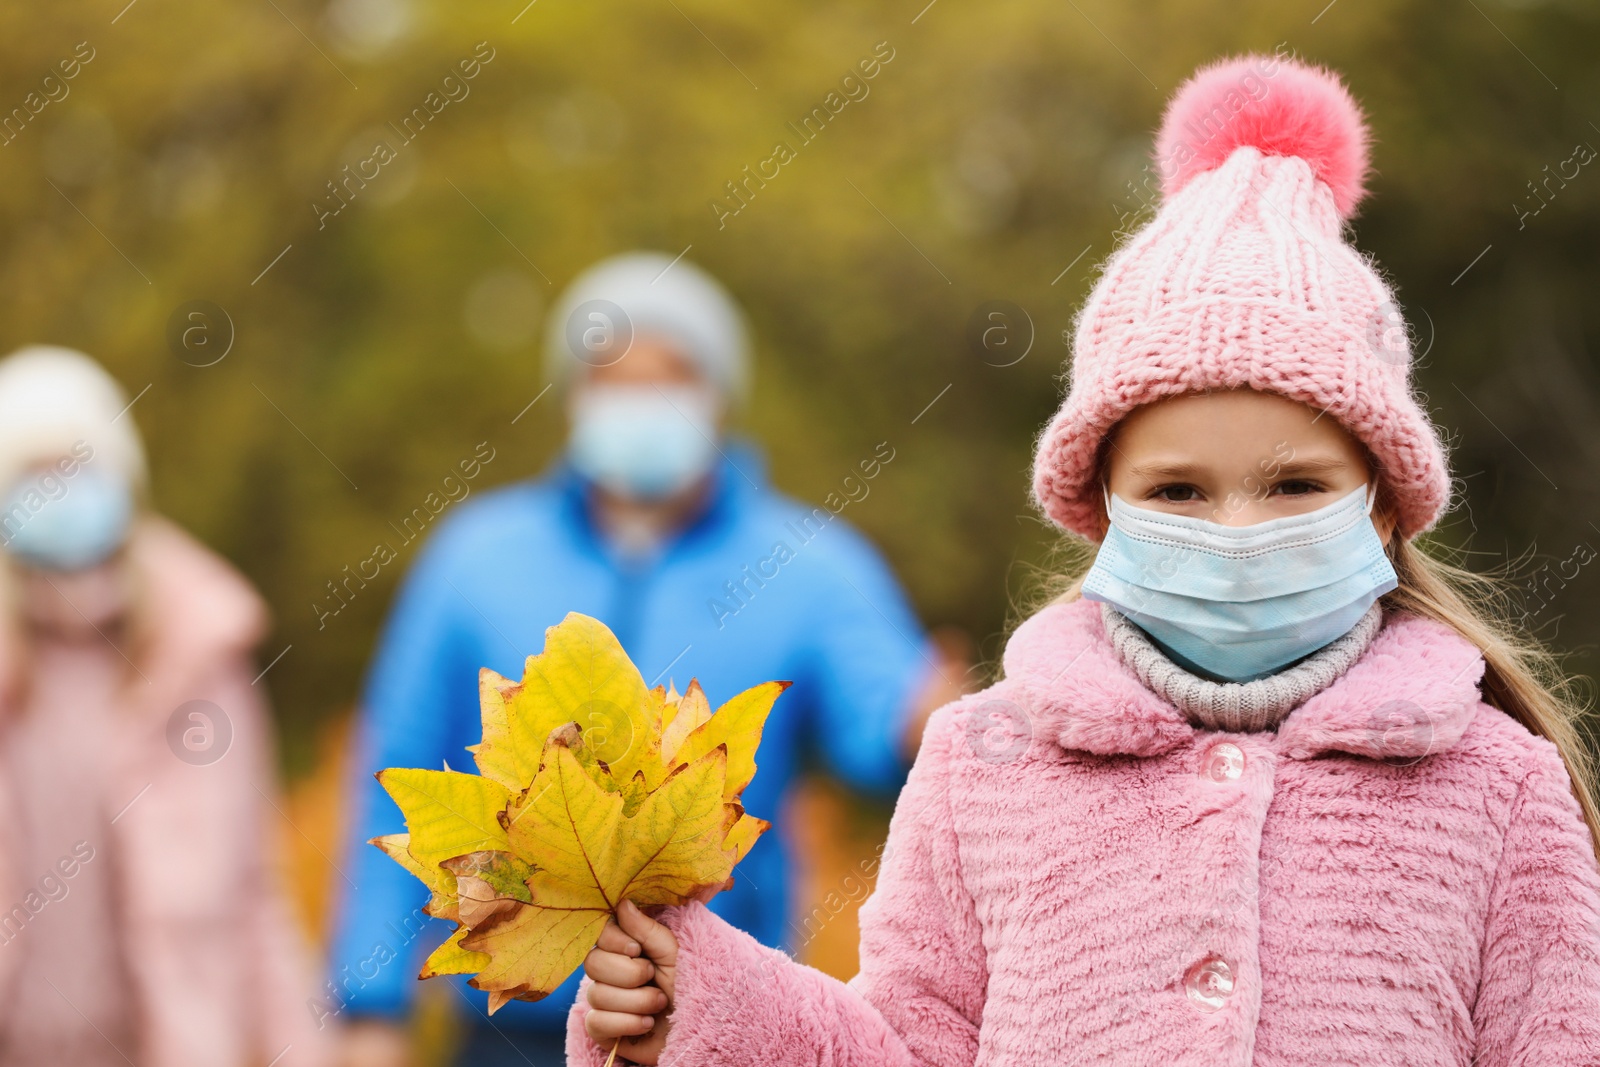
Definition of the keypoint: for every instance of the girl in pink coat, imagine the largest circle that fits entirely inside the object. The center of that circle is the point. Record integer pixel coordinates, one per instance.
(1265, 785)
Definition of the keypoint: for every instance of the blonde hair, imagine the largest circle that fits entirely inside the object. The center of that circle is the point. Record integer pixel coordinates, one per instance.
(1521, 676)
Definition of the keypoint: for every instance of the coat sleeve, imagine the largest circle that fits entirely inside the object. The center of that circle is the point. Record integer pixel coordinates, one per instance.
(866, 658)
(1539, 992)
(918, 1001)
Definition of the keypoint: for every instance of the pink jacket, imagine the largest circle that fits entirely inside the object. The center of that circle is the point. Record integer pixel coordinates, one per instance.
(218, 969)
(1074, 875)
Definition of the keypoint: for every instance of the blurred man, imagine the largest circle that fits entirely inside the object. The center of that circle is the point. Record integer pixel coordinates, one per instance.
(663, 528)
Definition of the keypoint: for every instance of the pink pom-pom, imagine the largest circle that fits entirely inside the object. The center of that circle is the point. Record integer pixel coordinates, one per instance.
(1280, 106)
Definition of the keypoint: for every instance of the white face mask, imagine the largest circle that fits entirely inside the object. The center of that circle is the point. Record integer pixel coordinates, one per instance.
(74, 530)
(1242, 602)
(643, 441)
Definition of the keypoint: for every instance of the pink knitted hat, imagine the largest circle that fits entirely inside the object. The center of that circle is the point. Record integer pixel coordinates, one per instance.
(1244, 280)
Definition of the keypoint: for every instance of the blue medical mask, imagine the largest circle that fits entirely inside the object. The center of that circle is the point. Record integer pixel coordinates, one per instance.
(643, 441)
(73, 530)
(1242, 602)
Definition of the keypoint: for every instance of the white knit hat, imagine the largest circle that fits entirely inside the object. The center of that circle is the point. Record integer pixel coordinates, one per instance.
(52, 399)
(663, 297)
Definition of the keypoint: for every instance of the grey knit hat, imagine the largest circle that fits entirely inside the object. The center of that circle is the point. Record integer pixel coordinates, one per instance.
(648, 293)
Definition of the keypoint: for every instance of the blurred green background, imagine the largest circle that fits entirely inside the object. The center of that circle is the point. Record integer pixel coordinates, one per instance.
(996, 157)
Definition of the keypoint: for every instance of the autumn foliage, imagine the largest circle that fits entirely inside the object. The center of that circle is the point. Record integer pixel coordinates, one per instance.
(593, 788)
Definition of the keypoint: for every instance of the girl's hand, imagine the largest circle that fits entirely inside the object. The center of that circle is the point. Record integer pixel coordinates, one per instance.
(632, 966)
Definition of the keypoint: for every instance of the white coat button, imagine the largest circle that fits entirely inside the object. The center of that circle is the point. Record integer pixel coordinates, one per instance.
(1224, 763)
(1209, 983)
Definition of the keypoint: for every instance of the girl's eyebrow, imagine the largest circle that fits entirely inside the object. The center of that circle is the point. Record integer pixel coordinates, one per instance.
(1312, 465)
(1171, 468)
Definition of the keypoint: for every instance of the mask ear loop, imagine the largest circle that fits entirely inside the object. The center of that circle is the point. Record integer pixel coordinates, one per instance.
(1372, 497)
(1105, 497)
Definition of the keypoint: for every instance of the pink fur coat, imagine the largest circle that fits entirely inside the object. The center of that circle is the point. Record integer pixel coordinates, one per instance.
(1398, 876)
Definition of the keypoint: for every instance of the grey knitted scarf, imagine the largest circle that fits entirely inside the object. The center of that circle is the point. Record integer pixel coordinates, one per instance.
(1237, 706)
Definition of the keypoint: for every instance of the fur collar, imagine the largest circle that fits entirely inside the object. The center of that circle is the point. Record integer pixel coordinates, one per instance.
(1411, 694)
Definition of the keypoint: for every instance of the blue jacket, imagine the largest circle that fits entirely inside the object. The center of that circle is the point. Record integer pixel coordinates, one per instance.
(760, 587)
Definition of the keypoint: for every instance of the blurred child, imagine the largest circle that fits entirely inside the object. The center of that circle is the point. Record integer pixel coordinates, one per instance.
(141, 920)
(1264, 786)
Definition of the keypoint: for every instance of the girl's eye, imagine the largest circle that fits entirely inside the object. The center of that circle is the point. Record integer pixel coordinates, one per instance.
(1296, 487)
(1177, 494)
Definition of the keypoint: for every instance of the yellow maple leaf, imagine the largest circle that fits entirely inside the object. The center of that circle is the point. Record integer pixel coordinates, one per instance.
(736, 726)
(592, 856)
(448, 814)
(594, 789)
(442, 905)
(582, 676)
(681, 716)
(451, 958)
